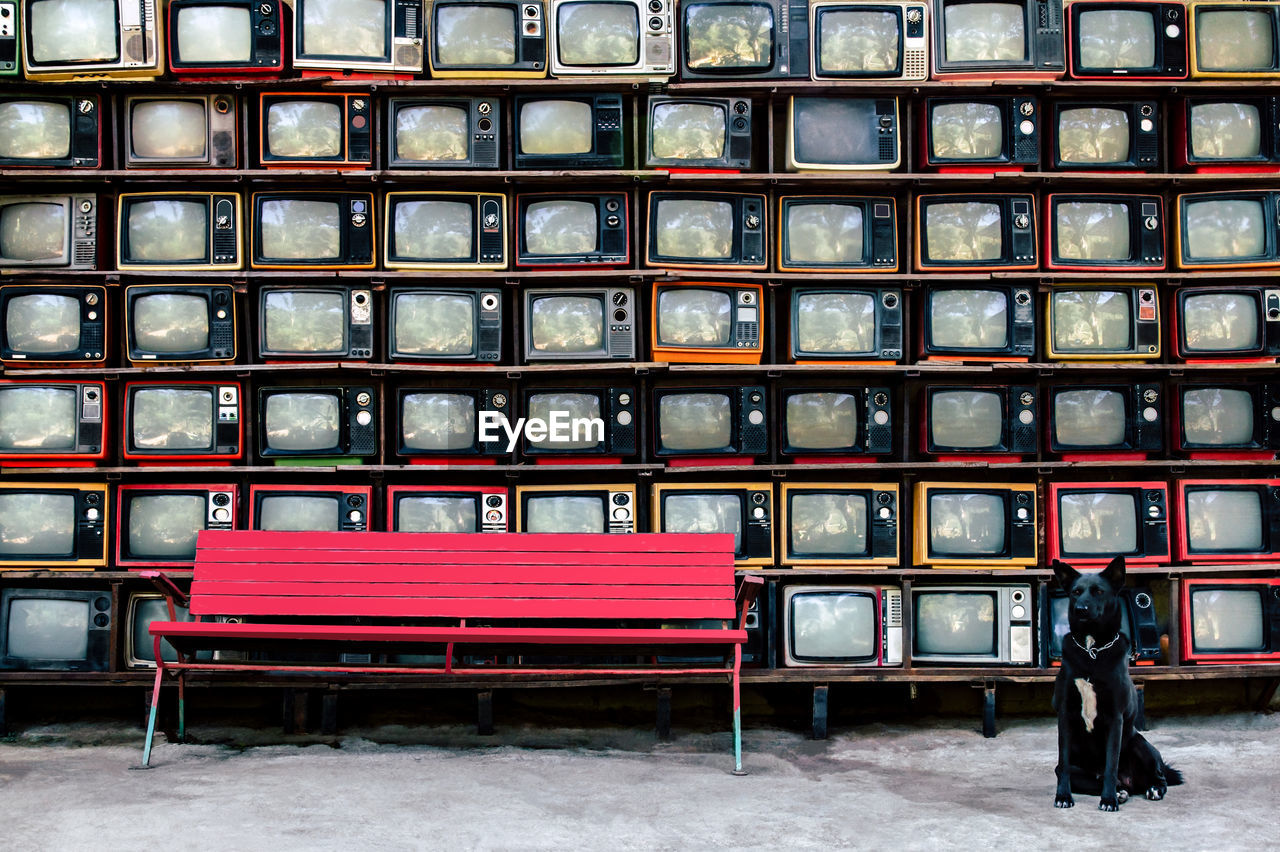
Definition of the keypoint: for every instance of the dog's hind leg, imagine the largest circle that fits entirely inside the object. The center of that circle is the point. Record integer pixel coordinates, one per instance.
(1142, 766)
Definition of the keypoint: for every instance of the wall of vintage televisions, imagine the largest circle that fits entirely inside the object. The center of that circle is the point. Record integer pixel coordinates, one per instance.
(929, 295)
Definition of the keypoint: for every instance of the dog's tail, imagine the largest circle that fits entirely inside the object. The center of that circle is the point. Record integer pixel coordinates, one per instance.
(1172, 777)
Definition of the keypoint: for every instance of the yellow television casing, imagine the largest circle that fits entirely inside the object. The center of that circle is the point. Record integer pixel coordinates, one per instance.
(1144, 350)
(923, 491)
(873, 560)
(1193, 38)
(15, 562)
(139, 40)
(235, 226)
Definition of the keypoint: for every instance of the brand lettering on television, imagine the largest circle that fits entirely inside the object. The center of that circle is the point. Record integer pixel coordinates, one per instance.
(559, 428)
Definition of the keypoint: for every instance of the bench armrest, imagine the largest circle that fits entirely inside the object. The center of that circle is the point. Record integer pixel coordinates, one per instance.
(749, 587)
(168, 588)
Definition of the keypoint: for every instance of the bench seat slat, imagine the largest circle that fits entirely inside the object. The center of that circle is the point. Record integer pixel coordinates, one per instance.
(429, 588)
(555, 544)
(330, 606)
(330, 571)
(383, 633)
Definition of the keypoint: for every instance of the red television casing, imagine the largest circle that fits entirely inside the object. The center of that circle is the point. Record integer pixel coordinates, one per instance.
(223, 425)
(495, 518)
(1181, 523)
(1270, 588)
(262, 16)
(87, 452)
(1170, 33)
(122, 558)
(1053, 544)
(1150, 248)
(1268, 161)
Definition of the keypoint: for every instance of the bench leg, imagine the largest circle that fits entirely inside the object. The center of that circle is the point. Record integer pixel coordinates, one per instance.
(989, 710)
(151, 721)
(664, 714)
(820, 693)
(4, 729)
(737, 711)
(182, 707)
(329, 714)
(484, 712)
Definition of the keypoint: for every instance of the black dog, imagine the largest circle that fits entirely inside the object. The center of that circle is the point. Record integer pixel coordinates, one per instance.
(1099, 752)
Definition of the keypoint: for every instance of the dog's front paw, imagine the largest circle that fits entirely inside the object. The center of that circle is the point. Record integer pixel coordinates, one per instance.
(1155, 794)
(1109, 803)
(1061, 801)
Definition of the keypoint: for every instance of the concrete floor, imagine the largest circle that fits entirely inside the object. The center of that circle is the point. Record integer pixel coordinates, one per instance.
(927, 786)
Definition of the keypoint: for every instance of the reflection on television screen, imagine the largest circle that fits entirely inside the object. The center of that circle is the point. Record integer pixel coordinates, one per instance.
(1217, 416)
(34, 130)
(833, 626)
(1235, 40)
(170, 322)
(432, 133)
(556, 127)
(694, 228)
(438, 421)
(434, 324)
(301, 422)
(963, 230)
(304, 321)
(828, 524)
(704, 513)
(433, 230)
(1117, 38)
(475, 35)
(42, 323)
(1226, 620)
(167, 230)
(169, 129)
(969, 319)
(50, 629)
(356, 28)
(966, 524)
(1223, 229)
(578, 406)
(984, 32)
(1088, 135)
(565, 514)
(964, 419)
(73, 31)
(37, 418)
(173, 419)
(694, 317)
(859, 40)
(824, 233)
(1226, 131)
(164, 526)
(215, 34)
(33, 231)
(560, 227)
(836, 131)
(598, 34)
(35, 523)
(571, 324)
(822, 421)
(1224, 520)
(955, 623)
(437, 515)
(298, 513)
(295, 229)
(733, 36)
(1089, 418)
(695, 421)
(1098, 523)
(1220, 321)
(966, 131)
(689, 131)
(1090, 230)
(1091, 321)
(304, 128)
(836, 322)
(147, 611)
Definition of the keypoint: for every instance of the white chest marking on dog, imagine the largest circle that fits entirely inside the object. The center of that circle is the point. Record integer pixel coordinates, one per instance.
(1088, 703)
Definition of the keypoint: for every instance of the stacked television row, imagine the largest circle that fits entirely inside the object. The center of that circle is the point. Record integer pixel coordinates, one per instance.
(699, 39)
(800, 623)
(73, 127)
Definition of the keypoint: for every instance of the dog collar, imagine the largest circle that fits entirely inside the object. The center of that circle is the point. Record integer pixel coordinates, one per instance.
(1093, 652)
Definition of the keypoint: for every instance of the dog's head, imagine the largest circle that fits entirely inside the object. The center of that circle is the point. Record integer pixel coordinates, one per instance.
(1093, 606)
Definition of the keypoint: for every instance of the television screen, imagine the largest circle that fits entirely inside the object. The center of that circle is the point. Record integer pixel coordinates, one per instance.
(833, 626)
(304, 321)
(728, 37)
(441, 514)
(42, 324)
(170, 419)
(33, 231)
(164, 526)
(302, 422)
(432, 133)
(48, 629)
(704, 513)
(475, 35)
(966, 524)
(167, 230)
(959, 623)
(147, 610)
(860, 41)
(1117, 38)
(690, 316)
(433, 230)
(1093, 135)
(1094, 417)
(1227, 620)
(298, 229)
(354, 28)
(689, 422)
(824, 233)
(38, 418)
(434, 324)
(1217, 416)
(695, 228)
(967, 130)
(828, 524)
(35, 130)
(966, 419)
(163, 129)
(438, 421)
(1098, 522)
(170, 323)
(565, 514)
(984, 32)
(689, 131)
(577, 405)
(305, 129)
(567, 323)
(836, 131)
(1225, 228)
(1235, 39)
(963, 231)
(968, 319)
(1220, 322)
(1223, 130)
(1224, 519)
(37, 524)
(598, 33)
(214, 35)
(1092, 230)
(561, 227)
(298, 512)
(66, 31)
(821, 420)
(836, 322)
(1091, 321)
(557, 126)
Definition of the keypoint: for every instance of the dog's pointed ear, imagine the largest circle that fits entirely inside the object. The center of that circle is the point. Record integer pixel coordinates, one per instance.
(1114, 573)
(1065, 573)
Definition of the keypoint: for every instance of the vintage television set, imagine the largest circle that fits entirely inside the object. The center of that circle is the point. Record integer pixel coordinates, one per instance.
(744, 509)
(191, 422)
(576, 508)
(180, 324)
(595, 37)
(139, 645)
(316, 322)
(707, 323)
(985, 40)
(982, 624)
(59, 526)
(868, 40)
(1230, 620)
(1137, 622)
(1229, 133)
(702, 424)
(444, 324)
(975, 525)
(839, 524)
(744, 39)
(1235, 39)
(584, 425)
(845, 324)
(569, 131)
(442, 425)
(1226, 520)
(156, 525)
(1105, 422)
(53, 325)
(496, 38)
(50, 131)
(320, 129)
(707, 230)
(310, 508)
(335, 422)
(978, 322)
(178, 231)
(445, 230)
(444, 133)
(573, 230)
(48, 232)
(365, 38)
(1127, 39)
(91, 39)
(979, 421)
(1102, 322)
(980, 134)
(55, 629)
(975, 233)
(698, 133)
(225, 38)
(1228, 230)
(841, 626)
(1104, 232)
(837, 233)
(1227, 420)
(1091, 523)
(842, 134)
(579, 324)
(313, 230)
(1089, 135)
(174, 131)
(835, 424)
(1226, 323)
(52, 423)
(447, 508)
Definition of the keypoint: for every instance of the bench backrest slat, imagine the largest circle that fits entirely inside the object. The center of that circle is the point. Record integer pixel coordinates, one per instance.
(337, 607)
(455, 572)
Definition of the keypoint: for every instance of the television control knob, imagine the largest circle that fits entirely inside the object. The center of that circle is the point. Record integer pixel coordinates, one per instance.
(885, 513)
(655, 23)
(881, 398)
(757, 498)
(531, 11)
(221, 499)
(1273, 314)
(92, 514)
(1025, 417)
(1022, 221)
(84, 107)
(1027, 108)
(1022, 297)
(624, 418)
(1142, 600)
(91, 395)
(1172, 31)
(881, 418)
(1023, 497)
(93, 315)
(1151, 223)
(741, 107)
(621, 514)
(358, 219)
(613, 221)
(221, 515)
(753, 222)
(758, 513)
(221, 106)
(624, 399)
(620, 299)
(355, 516)
(500, 400)
(890, 300)
(655, 5)
(363, 398)
(914, 16)
(1149, 414)
(621, 499)
(355, 501)
(91, 299)
(358, 104)
(1146, 110)
(1026, 398)
(86, 206)
(1275, 413)
(1150, 395)
(755, 417)
(484, 108)
(264, 8)
(364, 418)
(222, 222)
(484, 125)
(1153, 512)
(493, 501)
(1018, 611)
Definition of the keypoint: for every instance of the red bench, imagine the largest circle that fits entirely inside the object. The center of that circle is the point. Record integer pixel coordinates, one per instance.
(463, 594)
